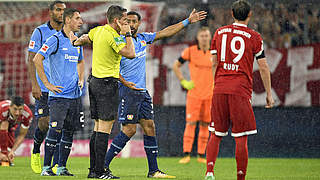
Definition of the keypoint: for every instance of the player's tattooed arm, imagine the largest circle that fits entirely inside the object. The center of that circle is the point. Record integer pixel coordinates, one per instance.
(82, 40)
(265, 76)
(173, 29)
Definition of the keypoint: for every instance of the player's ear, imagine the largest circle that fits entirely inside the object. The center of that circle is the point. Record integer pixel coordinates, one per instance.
(250, 14)
(232, 14)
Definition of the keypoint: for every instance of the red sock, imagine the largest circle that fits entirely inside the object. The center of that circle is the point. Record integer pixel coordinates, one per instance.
(212, 151)
(4, 139)
(241, 156)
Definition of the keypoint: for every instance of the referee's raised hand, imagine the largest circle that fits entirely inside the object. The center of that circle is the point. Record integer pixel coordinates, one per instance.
(197, 16)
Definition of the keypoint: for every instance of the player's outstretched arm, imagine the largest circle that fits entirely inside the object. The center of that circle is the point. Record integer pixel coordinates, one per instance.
(82, 40)
(36, 90)
(39, 67)
(17, 142)
(265, 76)
(173, 29)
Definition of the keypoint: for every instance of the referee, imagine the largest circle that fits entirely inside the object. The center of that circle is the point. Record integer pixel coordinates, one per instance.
(108, 48)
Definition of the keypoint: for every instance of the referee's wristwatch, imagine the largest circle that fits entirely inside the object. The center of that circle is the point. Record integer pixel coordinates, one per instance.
(128, 34)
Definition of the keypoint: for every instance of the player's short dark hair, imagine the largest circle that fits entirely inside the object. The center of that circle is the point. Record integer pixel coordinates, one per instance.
(51, 6)
(69, 12)
(134, 13)
(16, 100)
(241, 9)
(115, 11)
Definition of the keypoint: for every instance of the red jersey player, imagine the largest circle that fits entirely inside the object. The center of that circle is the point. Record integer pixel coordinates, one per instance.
(234, 48)
(12, 113)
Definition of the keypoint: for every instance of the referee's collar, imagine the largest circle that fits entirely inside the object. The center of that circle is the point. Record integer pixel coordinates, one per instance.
(49, 25)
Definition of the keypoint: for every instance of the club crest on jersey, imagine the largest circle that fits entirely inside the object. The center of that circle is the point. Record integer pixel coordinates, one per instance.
(31, 44)
(129, 116)
(143, 43)
(44, 48)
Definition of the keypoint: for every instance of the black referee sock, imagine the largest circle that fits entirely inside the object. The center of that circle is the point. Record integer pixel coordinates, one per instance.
(92, 150)
(101, 146)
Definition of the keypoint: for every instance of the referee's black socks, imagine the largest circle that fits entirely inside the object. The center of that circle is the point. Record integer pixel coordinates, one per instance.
(92, 150)
(101, 146)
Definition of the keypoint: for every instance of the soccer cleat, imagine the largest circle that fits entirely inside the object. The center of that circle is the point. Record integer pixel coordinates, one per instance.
(47, 171)
(110, 174)
(160, 174)
(5, 164)
(185, 160)
(63, 171)
(202, 160)
(106, 175)
(55, 168)
(91, 174)
(36, 163)
(209, 176)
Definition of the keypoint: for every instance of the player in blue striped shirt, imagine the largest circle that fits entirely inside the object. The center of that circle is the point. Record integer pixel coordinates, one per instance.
(65, 88)
(39, 91)
(135, 102)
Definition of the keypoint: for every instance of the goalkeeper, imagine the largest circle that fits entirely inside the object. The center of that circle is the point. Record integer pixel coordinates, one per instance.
(199, 93)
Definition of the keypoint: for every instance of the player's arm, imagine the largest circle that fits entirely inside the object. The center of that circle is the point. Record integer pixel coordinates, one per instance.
(177, 71)
(128, 50)
(82, 40)
(36, 91)
(214, 65)
(40, 70)
(130, 85)
(80, 68)
(173, 29)
(17, 142)
(265, 76)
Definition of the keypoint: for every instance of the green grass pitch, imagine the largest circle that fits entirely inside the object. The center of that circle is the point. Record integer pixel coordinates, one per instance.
(136, 169)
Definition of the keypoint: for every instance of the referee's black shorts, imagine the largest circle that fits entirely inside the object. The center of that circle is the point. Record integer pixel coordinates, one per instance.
(104, 98)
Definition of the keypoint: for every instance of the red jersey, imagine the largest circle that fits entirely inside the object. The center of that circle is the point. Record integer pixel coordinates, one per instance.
(236, 47)
(24, 119)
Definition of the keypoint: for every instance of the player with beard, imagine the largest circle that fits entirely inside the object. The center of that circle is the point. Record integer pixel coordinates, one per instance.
(135, 105)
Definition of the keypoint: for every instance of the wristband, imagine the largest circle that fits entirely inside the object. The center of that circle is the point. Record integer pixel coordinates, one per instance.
(128, 34)
(73, 42)
(185, 22)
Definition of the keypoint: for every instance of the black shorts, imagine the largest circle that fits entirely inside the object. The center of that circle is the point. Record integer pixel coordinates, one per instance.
(134, 106)
(41, 106)
(64, 113)
(104, 98)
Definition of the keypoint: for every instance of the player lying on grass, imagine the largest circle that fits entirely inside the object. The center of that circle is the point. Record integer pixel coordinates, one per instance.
(135, 102)
(13, 113)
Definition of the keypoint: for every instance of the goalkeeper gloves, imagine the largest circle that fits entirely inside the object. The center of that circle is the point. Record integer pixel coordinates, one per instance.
(188, 85)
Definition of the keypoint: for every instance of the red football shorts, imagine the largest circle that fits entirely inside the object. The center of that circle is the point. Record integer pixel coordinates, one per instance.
(198, 110)
(232, 111)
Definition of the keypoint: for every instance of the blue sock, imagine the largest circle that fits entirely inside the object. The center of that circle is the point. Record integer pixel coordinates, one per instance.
(50, 145)
(116, 146)
(151, 148)
(56, 151)
(65, 147)
(38, 138)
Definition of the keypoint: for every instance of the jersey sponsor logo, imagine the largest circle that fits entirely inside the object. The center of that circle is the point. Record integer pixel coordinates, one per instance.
(143, 43)
(71, 58)
(129, 116)
(119, 40)
(31, 44)
(44, 48)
